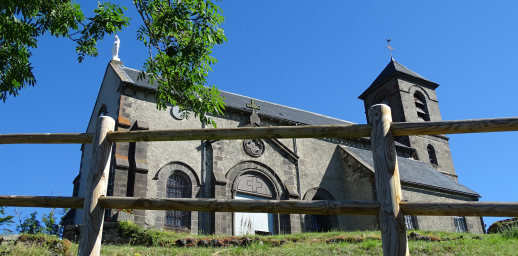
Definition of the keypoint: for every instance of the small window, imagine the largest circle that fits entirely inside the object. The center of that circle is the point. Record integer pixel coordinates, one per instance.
(411, 222)
(421, 108)
(178, 186)
(460, 224)
(432, 156)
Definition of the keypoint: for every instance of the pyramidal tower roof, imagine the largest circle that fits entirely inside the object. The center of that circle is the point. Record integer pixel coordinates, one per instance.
(395, 67)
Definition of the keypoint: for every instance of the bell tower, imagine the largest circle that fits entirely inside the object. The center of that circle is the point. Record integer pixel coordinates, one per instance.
(412, 98)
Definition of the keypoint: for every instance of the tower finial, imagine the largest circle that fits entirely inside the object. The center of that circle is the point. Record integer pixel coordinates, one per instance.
(389, 47)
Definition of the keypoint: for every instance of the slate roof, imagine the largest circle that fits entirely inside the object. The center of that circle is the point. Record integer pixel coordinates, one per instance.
(411, 171)
(390, 69)
(415, 172)
(268, 109)
(236, 101)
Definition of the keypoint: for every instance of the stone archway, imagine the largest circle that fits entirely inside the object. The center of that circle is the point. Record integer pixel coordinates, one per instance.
(227, 187)
(190, 176)
(320, 223)
(252, 186)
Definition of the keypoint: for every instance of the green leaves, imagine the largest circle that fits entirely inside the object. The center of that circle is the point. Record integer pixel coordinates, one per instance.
(109, 19)
(7, 220)
(23, 21)
(180, 36)
(30, 225)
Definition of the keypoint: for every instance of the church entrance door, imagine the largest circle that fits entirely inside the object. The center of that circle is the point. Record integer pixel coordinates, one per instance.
(248, 223)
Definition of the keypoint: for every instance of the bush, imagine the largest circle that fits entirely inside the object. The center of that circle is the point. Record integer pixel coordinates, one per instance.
(510, 231)
(144, 237)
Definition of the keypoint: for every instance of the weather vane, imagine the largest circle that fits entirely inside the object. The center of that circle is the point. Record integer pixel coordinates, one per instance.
(389, 47)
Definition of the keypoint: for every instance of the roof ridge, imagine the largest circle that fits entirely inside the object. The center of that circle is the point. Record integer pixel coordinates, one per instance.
(288, 113)
(288, 107)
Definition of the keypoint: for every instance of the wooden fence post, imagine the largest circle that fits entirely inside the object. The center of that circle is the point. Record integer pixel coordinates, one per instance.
(388, 186)
(97, 182)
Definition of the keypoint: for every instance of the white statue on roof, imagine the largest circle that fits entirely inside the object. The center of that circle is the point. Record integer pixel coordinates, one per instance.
(115, 49)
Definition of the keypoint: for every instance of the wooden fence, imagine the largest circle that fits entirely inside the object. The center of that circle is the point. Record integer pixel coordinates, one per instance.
(389, 206)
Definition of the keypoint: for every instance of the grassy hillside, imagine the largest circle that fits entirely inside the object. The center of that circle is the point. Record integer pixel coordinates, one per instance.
(153, 242)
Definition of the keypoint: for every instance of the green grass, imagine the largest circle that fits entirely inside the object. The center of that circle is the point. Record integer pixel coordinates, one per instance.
(306, 244)
(510, 231)
(494, 244)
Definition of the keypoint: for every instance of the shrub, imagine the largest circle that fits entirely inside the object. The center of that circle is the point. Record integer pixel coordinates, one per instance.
(144, 237)
(510, 231)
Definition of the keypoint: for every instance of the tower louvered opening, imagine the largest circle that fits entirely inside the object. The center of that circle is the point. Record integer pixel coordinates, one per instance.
(421, 108)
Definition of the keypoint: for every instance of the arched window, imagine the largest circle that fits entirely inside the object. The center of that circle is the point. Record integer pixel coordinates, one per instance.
(421, 108)
(320, 223)
(431, 155)
(178, 186)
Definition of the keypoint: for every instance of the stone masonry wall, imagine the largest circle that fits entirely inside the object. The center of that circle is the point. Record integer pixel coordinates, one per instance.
(420, 143)
(440, 223)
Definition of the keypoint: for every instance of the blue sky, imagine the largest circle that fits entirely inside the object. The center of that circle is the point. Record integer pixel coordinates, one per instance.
(312, 55)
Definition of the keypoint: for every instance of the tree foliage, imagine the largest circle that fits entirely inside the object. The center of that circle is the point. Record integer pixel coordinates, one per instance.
(22, 22)
(5, 220)
(30, 225)
(48, 224)
(180, 36)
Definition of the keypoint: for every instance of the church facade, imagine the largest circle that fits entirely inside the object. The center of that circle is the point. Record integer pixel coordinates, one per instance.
(285, 169)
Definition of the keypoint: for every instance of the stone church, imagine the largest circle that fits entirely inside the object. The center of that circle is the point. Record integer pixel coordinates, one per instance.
(285, 169)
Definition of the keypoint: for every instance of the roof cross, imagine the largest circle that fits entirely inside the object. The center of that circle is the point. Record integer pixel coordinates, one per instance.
(389, 47)
(253, 106)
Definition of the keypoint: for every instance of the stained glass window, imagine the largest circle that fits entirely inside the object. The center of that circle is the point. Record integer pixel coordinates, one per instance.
(178, 186)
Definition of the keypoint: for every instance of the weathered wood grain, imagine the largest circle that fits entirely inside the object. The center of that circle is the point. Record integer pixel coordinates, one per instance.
(313, 131)
(222, 205)
(43, 201)
(278, 132)
(388, 186)
(96, 185)
(455, 127)
(493, 209)
(47, 138)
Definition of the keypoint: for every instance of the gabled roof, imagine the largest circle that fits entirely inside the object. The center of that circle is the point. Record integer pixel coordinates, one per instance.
(239, 102)
(414, 172)
(395, 67)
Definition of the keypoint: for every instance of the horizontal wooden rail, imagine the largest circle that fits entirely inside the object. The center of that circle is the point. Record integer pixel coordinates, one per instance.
(270, 206)
(493, 209)
(273, 132)
(43, 201)
(47, 138)
(277, 132)
(490, 209)
(455, 127)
